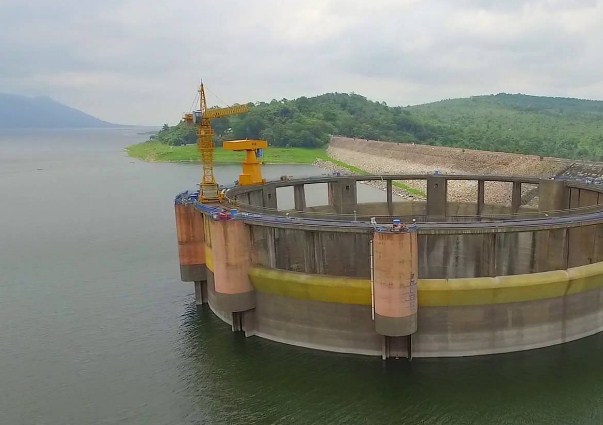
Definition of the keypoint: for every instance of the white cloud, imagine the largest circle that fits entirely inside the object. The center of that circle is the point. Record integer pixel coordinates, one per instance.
(139, 62)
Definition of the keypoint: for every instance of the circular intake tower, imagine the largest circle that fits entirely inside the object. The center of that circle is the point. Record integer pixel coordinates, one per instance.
(516, 264)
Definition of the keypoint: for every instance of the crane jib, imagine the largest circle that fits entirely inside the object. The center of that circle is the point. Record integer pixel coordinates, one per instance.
(223, 112)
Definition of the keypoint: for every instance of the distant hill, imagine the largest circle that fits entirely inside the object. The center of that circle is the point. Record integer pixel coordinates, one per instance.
(516, 123)
(43, 112)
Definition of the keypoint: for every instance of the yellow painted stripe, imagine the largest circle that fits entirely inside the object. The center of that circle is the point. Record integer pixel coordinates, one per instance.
(492, 290)
(585, 278)
(209, 258)
(431, 292)
(330, 289)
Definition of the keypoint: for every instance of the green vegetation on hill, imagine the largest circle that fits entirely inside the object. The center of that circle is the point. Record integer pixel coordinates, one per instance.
(308, 122)
(562, 127)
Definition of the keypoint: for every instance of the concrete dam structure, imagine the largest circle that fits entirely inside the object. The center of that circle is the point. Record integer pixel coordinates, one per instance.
(429, 278)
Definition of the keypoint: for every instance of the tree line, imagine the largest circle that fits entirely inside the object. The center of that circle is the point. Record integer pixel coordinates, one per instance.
(562, 127)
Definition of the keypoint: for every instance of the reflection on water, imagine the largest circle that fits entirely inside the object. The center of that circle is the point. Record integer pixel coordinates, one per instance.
(275, 383)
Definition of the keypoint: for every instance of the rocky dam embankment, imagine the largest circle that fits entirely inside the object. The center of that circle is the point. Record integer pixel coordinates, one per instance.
(376, 157)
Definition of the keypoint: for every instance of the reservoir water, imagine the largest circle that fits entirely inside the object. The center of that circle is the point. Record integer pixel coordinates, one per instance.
(96, 328)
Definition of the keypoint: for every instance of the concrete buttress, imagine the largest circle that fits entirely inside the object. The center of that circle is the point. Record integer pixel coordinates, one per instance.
(395, 283)
(231, 247)
(191, 243)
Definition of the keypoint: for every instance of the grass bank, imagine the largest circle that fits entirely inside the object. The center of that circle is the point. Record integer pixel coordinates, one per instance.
(159, 152)
(155, 151)
(358, 171)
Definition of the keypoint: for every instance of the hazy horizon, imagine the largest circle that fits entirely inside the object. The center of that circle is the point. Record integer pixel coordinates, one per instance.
(136, 63)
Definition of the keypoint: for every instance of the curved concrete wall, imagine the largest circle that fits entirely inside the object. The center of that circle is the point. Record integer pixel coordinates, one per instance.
(456, 317)
(447, 286)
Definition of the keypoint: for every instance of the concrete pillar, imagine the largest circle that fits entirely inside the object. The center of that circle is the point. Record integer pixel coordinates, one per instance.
(488, 255)
(269, 197)
(582, 239)
(331, 193)
(516, 197)
(319, 263)
(480, 197)
(342, 195)
(588, 198)
(551, 250)
(309, 253)
(201, 293)
(435, 253)
(256, 198)
(395, 268)
(437, 192)
(553, 195)
(231, 248)
(598, 245)
(271, 247)
(299, 197)
(390, 197)
(191, 243)
(574, 197)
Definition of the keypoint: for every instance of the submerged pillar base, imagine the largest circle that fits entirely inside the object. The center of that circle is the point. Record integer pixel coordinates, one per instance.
(396, 347)
(201, 292)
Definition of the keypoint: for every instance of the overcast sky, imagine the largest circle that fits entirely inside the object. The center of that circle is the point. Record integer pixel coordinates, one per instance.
(139, 62)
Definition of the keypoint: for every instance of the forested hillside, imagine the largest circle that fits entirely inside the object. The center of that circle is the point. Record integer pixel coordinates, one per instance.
(518, 123)
(562, 127)
(308, 122)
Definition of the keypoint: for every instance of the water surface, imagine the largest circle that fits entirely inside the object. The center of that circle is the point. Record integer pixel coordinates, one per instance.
(96, 328)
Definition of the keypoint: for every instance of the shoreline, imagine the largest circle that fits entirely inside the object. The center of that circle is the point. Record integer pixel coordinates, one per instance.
(151, 151)
(332, 166)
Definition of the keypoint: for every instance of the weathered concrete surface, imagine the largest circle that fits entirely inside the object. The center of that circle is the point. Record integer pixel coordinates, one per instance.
(437, 192)
(499, 328)
(214, 302)
(299, 196)
(193, 272)
(230, 247)
(443, 330)
(306, 281)
(201, 292)
(456, 317)
(337, 327)
(191, 243)
(395, 283)
(342, 196)
(311, 287)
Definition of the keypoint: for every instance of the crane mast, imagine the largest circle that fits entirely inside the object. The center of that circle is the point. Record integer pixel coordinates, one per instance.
(205, 142)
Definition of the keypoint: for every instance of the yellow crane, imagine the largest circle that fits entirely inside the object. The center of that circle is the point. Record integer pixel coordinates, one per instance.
(252, 168)
(205, 141)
